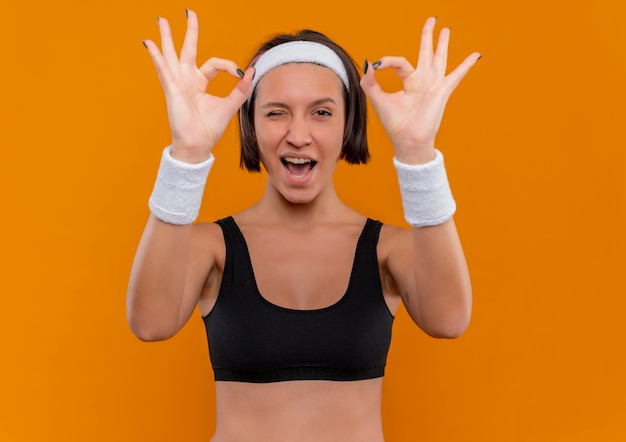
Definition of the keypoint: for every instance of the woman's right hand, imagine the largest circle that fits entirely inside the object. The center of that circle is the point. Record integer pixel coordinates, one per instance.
(197, 119)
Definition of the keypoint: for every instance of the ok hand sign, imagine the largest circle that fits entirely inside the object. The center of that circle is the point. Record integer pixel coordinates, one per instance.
(197, 119)
(413, 115)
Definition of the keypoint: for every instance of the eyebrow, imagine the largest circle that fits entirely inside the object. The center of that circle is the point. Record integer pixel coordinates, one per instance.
(312, 104)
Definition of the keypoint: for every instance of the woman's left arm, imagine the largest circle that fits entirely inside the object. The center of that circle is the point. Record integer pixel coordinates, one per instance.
(431, 276)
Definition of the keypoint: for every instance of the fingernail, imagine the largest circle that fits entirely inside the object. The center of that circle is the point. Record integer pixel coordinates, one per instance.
(376, 64)
(365, 66)
(144, 43)
(240, 72)
(436, 18)
(187, 12)
(158, 20)
(479, 57)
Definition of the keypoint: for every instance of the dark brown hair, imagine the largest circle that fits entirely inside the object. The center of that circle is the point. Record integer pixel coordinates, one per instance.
(354, 149)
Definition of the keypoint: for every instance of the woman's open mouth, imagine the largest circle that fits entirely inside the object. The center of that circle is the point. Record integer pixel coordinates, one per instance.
(298, 167)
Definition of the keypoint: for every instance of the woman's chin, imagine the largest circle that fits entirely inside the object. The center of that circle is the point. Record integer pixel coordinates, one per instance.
(299, 196)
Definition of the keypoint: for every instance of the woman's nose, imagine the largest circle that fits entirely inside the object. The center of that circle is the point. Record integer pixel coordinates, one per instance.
(298, 134)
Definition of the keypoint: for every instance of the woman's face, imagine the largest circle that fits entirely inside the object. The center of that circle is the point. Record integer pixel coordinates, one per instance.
(299, 121)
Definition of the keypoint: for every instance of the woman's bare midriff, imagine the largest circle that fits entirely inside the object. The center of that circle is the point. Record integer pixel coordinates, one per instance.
(302, 411)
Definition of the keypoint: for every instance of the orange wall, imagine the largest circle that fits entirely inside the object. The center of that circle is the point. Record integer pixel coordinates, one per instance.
(537, 161)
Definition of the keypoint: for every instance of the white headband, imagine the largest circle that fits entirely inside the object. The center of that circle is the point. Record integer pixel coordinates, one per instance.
(298, 52)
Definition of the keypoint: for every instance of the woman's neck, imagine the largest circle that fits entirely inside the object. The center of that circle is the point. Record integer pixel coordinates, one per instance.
(324, 208)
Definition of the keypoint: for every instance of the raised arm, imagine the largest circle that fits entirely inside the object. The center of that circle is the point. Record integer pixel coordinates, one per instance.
(175, 258)
(431, 276)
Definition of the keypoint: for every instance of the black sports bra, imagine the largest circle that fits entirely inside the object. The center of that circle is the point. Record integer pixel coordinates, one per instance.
(253, 340)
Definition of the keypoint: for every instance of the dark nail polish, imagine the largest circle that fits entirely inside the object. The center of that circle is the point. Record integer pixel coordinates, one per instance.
(158, 20)
(365, 67)
(376, 64)
(144, 43)
(479, 57)
(240, 72)
(186, 12)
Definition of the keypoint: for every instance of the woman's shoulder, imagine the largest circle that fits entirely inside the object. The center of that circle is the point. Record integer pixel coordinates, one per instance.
(392, 239)
(208, 229)
(208, 240)
(392, 232)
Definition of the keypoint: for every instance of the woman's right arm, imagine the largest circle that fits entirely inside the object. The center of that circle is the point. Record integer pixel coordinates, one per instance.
(163, 288)
(169, 272)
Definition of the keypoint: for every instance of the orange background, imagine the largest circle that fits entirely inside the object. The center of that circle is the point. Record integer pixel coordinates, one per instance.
(535, 149)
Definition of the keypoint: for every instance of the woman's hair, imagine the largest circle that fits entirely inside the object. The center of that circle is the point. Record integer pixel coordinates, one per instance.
(354, 149)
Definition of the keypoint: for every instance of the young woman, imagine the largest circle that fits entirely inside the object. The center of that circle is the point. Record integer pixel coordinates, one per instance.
(298, 291)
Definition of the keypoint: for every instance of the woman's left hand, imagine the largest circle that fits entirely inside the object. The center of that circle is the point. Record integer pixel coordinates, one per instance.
(413, 115)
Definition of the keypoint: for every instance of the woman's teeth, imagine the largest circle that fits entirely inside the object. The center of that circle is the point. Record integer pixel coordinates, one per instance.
(298, 167)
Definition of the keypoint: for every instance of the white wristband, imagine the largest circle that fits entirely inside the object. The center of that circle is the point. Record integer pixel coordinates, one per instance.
(426, 195)
(178, 189)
